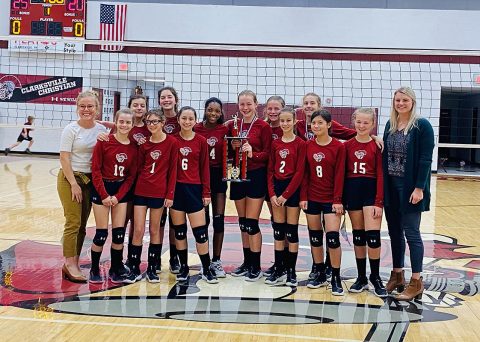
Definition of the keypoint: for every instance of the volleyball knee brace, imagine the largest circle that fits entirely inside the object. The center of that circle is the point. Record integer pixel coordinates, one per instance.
(180, 231)
(118, 235)
(200, 234)
(252, 226)
(241, 223)
(373, 238)
(316, 237)
(359, 238)
(333, 239)
(291, 232)
(218, 223)
(278, 231)
(100, 237)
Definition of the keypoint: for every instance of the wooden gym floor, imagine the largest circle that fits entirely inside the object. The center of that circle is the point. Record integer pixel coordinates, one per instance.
(37, 305)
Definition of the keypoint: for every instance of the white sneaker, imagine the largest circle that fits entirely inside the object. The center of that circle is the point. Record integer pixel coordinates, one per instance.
(217, 267)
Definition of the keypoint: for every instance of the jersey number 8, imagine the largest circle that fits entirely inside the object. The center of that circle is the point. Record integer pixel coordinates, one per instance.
(319, 171)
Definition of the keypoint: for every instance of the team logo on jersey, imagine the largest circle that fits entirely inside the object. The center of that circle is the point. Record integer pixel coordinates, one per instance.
(360, 154)
(155, 154)
(309, 135)
(138, 137)
(284, 153)
(121, 157)
(169, 128)
(318, 157)
(185, 151)
(274, 136)
(212, 141)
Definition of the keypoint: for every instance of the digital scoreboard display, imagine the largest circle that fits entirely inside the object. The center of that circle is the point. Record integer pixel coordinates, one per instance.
(58, 18)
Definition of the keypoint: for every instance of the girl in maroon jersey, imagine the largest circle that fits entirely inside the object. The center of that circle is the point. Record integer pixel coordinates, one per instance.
(114, 167)
(249, 196)
(168, 101)
(285, 173)
(212, 129)
(154, 190)
(321, 193)
(363, 198)
(192, 194)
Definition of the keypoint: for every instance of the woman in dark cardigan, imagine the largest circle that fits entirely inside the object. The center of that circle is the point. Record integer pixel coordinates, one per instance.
(407, 162)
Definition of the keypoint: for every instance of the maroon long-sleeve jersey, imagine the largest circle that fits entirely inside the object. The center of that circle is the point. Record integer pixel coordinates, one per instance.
(171, 125)
(215, 139)
(137, 133)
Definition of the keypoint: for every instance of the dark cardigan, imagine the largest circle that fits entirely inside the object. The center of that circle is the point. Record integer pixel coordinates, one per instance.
(418, 166)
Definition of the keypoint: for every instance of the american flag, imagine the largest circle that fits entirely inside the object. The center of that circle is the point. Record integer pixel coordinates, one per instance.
(112, 25)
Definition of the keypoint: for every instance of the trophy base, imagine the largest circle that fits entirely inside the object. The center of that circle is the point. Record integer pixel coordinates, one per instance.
(235, 180)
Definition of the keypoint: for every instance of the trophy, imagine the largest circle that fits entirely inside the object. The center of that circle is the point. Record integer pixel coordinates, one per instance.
(236, 170)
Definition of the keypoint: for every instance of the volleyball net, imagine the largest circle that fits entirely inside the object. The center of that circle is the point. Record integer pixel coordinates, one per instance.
(42, 78)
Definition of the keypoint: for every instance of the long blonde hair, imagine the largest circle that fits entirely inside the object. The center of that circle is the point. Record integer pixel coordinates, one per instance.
(413, 113)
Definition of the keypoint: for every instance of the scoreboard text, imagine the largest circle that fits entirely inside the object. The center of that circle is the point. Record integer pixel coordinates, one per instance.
(61, 18)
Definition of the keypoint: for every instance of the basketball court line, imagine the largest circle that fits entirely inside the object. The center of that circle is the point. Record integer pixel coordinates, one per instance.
(29, 190)
(148, 326)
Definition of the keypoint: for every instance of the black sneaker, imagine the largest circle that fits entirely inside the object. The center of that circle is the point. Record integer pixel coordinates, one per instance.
(378, 289)
(95, 277)
(209, 275)
(269, 271)
(158, 267)
(319, 281)
(152, 276)
(123, 270)
(328, 271)
(240, 271)
(278, 277)
(313, 273)
(132, 277)
(27, 150)
(337, 289)
(291, 278)
(7, 151)
(359, 285)
(115, 277)
(174, 265)
(253, 274)
(183, 273)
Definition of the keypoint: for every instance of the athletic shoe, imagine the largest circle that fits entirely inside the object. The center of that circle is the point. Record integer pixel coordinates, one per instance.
(328, 271)
(319, 281)
(95, 277)
(158, 267)
(378, 289)
(132, 277)
(240, 271)
(208, 274)
(27, 150)
(278, 277)
(123, 270)
(269, 271)
(359, 285)
(183, 273)
(7, 151)
(313, 273)
(218, 269)
(115, 277)
(174, 265)
(253, 274)
(152, 276)
(337, 289)
(291, 278)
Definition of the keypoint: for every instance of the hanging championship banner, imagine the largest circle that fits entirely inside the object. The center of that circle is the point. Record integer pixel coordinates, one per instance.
(39, 89)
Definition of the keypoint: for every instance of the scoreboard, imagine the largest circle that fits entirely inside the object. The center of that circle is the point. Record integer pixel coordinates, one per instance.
(60, 18)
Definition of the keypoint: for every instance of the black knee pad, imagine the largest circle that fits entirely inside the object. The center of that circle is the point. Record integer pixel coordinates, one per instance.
(252, 226)
(333, 240)
(163, 219)
(180, 231)
(278, 231)
(118, 235)
(291, 232)
(241, 223)
(373, 238)
(219, 223)
(316, 237)
(359, 238)
(200, 234)
(100, 237)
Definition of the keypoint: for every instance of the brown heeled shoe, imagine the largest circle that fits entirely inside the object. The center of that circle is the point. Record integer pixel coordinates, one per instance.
(414, 290)
(74, 279)
(396, 282)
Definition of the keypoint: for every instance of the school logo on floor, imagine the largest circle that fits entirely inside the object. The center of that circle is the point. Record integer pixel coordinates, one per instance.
(32, 282)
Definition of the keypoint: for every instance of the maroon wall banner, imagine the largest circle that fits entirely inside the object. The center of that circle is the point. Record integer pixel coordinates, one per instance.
(39, 89)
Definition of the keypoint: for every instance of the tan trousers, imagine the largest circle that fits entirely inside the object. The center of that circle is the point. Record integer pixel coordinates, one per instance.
(76, 215)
